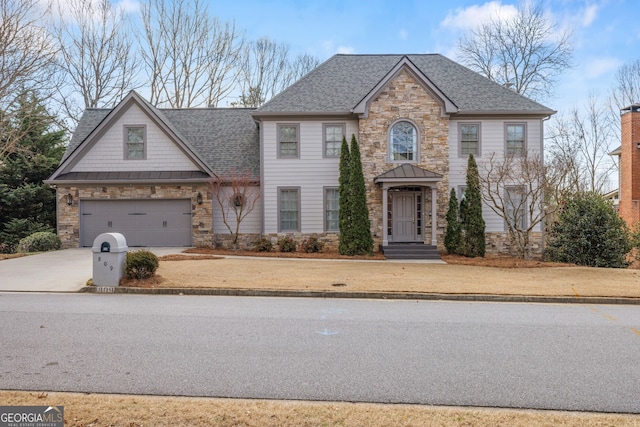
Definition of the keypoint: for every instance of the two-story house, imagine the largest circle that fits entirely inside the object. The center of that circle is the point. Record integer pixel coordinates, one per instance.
(145, 171)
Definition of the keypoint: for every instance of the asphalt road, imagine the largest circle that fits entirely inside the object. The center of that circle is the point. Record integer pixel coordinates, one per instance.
(567, 357)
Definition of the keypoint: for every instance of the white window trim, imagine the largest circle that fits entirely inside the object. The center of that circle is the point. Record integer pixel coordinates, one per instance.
(524, 143)
(416, 154)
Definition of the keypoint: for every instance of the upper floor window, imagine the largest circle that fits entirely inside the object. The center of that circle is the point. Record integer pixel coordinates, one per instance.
(333, 134)
(404, 142)
(288, 141)
(515, 139)
(469, 139)
(135, 142)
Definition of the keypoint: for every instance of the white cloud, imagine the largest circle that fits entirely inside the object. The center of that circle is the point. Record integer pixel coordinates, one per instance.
(473, 16)
(597, 67)
(345, 49)
(403, 34)
(590, 14)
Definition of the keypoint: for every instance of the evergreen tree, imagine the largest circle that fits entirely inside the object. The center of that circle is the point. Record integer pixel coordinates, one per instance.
(453, 235)
(360, 230)
(473, 225)
(344, 192)
(28, 205)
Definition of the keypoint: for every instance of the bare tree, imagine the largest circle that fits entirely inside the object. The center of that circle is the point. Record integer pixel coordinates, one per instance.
(625, 92)
(514, 187)
(526, 53)
(27, 60)
(580, 144)
(190, 56)
(97, 56)
(236, 194)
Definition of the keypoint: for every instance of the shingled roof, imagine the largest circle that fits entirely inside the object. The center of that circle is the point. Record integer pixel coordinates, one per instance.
(340, 83)
(223, 138)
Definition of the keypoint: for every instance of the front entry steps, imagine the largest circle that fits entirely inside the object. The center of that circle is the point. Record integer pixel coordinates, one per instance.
(410, 251)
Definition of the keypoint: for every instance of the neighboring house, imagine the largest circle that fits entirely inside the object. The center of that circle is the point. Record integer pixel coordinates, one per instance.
(629, 162)
(416, 119)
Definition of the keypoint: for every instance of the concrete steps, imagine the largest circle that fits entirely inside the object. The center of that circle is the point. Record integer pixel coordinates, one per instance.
(410, 251)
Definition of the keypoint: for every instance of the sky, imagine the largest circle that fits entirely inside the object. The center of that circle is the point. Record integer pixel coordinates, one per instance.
(606, 33)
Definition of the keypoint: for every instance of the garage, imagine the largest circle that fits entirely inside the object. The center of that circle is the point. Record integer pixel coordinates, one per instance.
(157, 222)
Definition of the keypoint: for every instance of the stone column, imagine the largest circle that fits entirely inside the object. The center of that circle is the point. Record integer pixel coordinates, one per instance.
(385, 215)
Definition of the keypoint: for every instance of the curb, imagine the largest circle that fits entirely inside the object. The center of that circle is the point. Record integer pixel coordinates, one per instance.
(362, 295)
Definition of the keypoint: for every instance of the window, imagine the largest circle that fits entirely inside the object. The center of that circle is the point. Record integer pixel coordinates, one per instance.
(331, 209)
(515, 139)
(404, 142)
(135, 142)
(515, 208)
(288, 209)
(469, 139)
(288, 141)
(333, 134)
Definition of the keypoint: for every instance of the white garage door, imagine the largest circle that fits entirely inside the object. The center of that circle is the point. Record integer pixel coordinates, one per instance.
(142, 222)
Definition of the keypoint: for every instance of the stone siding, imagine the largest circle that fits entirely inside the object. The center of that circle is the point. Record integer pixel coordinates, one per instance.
(404, 98)
(499, 243)
(69, 216)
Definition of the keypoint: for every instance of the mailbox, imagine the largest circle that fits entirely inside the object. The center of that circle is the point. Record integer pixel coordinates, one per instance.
(109, 258)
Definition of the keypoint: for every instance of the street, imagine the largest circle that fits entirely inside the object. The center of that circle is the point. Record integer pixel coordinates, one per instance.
(544, 356)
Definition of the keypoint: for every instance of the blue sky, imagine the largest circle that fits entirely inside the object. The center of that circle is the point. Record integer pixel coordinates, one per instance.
(606, 32)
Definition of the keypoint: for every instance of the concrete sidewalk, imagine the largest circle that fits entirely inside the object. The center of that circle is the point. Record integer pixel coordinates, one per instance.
(66, 270)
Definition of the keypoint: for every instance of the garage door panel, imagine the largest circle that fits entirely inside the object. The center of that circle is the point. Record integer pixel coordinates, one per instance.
(142, 222)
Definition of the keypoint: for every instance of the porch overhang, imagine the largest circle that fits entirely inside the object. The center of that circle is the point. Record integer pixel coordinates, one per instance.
(408, 175)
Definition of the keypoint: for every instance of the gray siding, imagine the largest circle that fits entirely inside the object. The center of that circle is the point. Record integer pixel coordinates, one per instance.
(312, 172)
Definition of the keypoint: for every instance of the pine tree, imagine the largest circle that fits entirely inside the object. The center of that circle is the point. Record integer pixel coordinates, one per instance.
(473, 225)
(344, 205)
(360, 234)
(453, 235)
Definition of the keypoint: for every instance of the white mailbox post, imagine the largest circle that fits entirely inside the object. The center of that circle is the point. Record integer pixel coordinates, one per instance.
(109, 257)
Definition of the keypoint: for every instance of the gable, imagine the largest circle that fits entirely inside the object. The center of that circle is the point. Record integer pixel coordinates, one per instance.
(107, 152)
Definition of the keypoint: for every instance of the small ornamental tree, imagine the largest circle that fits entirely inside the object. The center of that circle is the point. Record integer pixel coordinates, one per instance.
(361, 241)
(453, 235)
(344, 206)
(589, 232)
(473, 226)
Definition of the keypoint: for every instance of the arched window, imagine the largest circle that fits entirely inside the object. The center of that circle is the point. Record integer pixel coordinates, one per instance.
(404, 142)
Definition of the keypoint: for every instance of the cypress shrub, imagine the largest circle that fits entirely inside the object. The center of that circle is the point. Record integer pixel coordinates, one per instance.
(473, 226)
(361, 241)
(344, 196)
(453, 234)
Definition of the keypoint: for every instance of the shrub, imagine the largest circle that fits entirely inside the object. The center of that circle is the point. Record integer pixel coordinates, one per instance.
(453, 234)
(41, 241)
(140, 264)
(311, 245)
(263, 245)
(19, 228)
(589, 232)
(286, 244)
(473, 225)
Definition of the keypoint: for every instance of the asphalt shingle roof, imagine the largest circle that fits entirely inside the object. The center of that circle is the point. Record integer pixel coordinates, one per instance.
(224, 138)
(340, 83)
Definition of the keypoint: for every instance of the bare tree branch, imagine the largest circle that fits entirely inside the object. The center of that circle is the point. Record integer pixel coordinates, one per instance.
(190, 56)
(525, 53)
(97, 56)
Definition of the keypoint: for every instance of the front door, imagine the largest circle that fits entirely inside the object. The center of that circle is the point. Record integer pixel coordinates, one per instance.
(403, 217)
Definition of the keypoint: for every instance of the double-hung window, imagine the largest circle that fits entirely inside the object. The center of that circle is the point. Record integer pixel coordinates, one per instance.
(515, 139)
(515, 209)
(331, 209)
(288, 209)
(288, 141)
(333, 134)
(469, 139)
(135, 147)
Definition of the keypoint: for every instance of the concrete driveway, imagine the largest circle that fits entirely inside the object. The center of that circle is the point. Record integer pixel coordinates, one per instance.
(65, 270)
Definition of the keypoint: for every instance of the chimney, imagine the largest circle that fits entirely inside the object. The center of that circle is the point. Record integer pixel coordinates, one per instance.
(629, 207)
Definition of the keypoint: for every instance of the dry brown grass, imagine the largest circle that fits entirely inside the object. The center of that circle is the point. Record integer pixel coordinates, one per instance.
(498, 276)
(94, 410)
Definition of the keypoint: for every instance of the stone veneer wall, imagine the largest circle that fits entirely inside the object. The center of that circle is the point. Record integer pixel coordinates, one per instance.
(499, 243)
(69, 216)
(404, 98)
